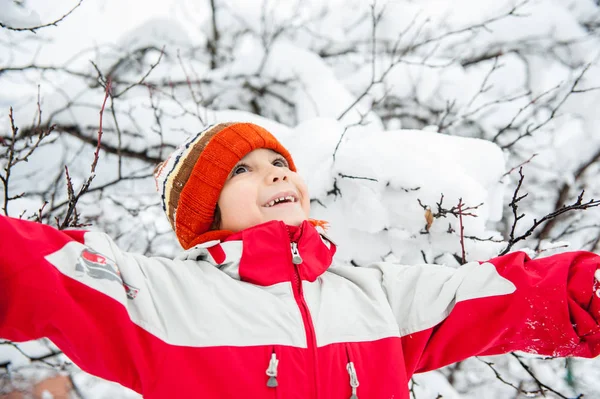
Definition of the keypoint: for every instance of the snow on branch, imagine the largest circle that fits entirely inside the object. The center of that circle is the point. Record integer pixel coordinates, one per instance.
(7, 24)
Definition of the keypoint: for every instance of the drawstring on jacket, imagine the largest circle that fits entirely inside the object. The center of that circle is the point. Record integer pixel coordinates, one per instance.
(272, 371)
(353, 379)
(352, 373)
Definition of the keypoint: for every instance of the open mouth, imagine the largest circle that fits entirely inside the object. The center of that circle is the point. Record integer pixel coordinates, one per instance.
(289, 199)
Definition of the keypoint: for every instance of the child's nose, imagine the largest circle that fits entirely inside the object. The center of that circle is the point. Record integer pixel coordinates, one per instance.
(277, 174)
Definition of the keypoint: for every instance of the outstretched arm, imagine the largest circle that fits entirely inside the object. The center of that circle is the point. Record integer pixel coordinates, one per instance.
(66, 285)
(549, 306)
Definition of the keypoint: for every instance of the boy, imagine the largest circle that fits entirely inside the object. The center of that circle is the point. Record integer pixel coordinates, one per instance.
(255, 308)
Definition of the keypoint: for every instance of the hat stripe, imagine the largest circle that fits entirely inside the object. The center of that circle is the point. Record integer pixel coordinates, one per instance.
(183, 171)
(182, 150)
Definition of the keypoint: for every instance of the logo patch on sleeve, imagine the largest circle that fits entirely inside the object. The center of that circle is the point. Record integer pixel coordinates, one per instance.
(98, 266)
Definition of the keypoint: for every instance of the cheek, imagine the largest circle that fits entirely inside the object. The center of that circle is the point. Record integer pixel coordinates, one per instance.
(303, 188)
(236, 200)
(306, 206)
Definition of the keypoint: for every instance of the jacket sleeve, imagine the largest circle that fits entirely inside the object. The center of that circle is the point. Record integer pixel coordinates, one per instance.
(548, 306)
(66, 285)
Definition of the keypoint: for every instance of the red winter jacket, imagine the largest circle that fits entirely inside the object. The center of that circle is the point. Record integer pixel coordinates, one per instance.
(246, 318)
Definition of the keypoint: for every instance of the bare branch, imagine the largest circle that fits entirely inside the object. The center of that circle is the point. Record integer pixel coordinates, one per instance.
(71, 218)
(540, 384)
(531, 128)
(15, 155)
(143, 78)
(97, 152)
(577, 205)
(462, 231)
(213, 44)
(564, 194)
(499, 377)
(35, 28)
(520, 166)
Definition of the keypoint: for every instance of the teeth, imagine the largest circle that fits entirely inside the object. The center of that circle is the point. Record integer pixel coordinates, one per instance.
(280, 199)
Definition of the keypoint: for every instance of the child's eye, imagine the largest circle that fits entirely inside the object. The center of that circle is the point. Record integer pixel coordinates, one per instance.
(239, 170)
(280, 163)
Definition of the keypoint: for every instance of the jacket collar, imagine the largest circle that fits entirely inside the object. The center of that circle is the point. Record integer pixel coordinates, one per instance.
(262, 254)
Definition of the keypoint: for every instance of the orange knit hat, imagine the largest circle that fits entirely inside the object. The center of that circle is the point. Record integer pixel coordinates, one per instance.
(191, 179)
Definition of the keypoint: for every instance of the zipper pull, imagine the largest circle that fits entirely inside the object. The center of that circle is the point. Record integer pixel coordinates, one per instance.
(296, 258)
(272, 371)
(353, 379)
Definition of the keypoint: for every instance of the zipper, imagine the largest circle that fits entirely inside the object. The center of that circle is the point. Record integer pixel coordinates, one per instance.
(296, 258)
(309, 328)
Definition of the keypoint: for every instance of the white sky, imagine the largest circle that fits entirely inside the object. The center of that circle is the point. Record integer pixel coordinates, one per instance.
(94, 22)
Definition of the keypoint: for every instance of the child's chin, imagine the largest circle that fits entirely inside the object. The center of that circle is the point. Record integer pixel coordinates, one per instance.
(291, 220)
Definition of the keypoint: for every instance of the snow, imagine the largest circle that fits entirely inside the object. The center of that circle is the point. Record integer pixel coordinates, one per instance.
(383, 166)
(17, 17)
(434, 383)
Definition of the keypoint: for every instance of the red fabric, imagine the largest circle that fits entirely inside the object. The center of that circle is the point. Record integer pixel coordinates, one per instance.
(271, 247)
(553, 311)
(36, 300)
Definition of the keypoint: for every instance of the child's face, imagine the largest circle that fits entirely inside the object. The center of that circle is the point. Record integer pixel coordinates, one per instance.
(257, 179)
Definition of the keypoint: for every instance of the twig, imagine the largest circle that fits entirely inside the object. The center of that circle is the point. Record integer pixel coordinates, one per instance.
(76, 388)
(530, 129)
(11, 155)
(356, 177)
(189, 85)
(42, 358)
(102, 187)
(38, 216)
(499, 377)
(71, 218)
(213, 43)
(577, 205)
(462, 231)
(413, 384)
(443, 212)
(520, 166)
(337, 146)
(564, 193)
(35, 28)
(143, 78)
(531, 103)
(76, 131)
(540, 384)
(482, 25)
(14, 156)
(97, 152)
